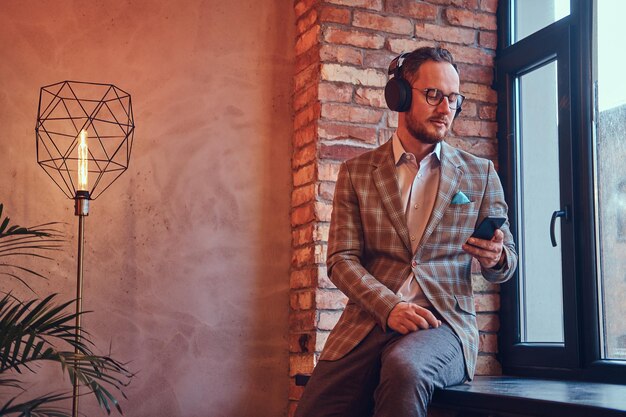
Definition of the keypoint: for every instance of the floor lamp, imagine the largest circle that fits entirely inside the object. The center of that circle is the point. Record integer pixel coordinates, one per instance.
(84, 139)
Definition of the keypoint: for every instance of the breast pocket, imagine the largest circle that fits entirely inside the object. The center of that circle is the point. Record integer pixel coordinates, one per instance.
(461, 217)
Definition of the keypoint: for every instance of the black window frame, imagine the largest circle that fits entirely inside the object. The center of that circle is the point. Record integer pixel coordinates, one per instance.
(571, 39)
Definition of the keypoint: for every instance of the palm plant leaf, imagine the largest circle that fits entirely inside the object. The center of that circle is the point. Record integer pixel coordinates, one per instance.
(42, 330)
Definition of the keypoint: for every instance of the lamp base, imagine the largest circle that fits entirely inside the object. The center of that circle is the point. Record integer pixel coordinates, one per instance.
(81, 203)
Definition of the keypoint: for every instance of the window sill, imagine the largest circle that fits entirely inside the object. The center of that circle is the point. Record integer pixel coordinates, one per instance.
(534, 397)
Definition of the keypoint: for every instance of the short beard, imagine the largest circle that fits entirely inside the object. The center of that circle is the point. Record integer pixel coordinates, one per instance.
(420, 133)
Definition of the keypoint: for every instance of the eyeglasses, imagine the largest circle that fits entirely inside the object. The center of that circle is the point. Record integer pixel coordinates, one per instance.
(434, 97)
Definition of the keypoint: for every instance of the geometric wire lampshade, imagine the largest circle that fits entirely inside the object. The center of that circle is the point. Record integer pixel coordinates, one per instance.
(89, 119)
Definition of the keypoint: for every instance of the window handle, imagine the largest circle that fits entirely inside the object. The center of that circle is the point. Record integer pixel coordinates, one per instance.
(559, 213)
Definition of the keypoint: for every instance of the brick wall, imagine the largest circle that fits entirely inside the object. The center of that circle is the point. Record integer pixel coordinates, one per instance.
(343, 49)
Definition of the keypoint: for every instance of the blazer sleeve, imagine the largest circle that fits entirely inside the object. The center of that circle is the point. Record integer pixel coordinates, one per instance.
(493, 204)
(346, 251)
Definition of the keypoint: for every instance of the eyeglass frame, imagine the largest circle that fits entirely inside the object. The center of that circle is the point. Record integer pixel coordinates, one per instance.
(425, 91)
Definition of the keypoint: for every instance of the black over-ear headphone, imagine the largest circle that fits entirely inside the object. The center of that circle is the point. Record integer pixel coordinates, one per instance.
(398, 91)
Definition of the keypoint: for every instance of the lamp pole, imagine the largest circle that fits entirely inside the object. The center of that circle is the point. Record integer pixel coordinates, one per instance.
(81, 210)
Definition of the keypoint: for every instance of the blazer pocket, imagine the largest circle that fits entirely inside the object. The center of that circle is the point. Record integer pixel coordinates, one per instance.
(466, 304)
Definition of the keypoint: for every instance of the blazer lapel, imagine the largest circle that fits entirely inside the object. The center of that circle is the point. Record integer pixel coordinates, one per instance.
(451, 174)
(384, 176)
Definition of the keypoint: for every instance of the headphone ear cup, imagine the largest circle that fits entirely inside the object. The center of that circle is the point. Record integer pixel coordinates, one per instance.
(398, 94)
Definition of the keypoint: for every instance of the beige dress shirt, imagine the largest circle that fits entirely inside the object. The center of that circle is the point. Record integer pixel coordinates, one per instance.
(418, 183)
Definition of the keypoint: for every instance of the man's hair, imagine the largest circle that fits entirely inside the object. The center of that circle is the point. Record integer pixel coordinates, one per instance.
(414, 60)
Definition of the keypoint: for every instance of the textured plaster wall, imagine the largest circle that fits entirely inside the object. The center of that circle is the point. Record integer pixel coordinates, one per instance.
(187, 254)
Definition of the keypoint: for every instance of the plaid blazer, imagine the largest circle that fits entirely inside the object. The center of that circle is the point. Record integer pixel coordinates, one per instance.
(369, 252)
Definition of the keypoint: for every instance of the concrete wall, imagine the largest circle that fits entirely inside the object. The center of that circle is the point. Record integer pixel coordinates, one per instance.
(187, 254)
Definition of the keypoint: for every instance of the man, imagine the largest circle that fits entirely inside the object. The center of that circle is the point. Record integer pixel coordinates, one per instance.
(400, 249)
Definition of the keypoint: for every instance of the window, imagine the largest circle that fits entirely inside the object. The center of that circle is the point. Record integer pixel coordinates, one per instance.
(562, 137)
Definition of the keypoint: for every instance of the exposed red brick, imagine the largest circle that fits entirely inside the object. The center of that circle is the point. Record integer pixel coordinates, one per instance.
(302, 342)
(302, 300)
(328, 171)
(488, 343)
(480, 147)
(391, 24)
(332, 14)
(340, 152)
(487, 302)
(467, 18)
(302, 320)
(378, 59)
(487, 364)
(307, 39)
(301, 195)
(384, 135)
(302, 256)
(488, 322)
(330, 299)
(327, 190)
(479, 92)
(488, 40)
(487, 112)
(305, 97)
(320, 340)
(295, 392)
(350, 113)
(480, 128)
(443, 33)
(302, 215)
(304, 136)
(303, 278)
(397, 46)
(363, 4)
(357, 76)
(307, 59)
(353, 37)
(421, 10)
(328, 319)
(307, 77)
(322, 212)
(471, 55)
(307, 115)
(301, 364)
(476, 73)
(335, 92)
(481, 285)
(334, 131)
(341, 54)
(466, 4)
(323, 280)
(490, 6)
(372, 97)
(470, 110)
(306, 21)
(304, 175)
(303, 6)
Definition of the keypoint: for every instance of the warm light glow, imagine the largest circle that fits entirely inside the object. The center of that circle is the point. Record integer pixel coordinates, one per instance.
(83, 162)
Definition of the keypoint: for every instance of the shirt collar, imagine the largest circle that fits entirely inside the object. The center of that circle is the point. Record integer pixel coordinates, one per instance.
(398, 150)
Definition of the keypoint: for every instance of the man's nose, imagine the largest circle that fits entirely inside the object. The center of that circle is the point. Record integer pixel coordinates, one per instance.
(444, 106)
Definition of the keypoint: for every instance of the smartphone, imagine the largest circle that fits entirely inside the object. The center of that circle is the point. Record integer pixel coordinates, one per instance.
(487, 227)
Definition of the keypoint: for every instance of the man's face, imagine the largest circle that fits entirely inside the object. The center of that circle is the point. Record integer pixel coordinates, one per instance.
(427, 123)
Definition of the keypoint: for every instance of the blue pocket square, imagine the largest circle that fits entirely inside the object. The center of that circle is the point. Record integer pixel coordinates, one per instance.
(460, 198)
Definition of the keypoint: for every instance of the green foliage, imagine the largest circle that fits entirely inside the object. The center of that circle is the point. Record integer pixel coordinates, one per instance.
(30, 332)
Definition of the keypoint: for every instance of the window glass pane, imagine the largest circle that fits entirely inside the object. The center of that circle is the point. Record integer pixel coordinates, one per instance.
(533, 15)
(539, 270)
(611, 176)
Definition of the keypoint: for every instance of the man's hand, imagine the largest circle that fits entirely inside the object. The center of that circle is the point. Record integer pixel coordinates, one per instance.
(408, 317)
(489, 253)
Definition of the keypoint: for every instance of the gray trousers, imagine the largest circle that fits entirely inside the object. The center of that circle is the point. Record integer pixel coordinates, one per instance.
(386, 375)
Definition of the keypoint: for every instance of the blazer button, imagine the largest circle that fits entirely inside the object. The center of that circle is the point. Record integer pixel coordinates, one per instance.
(414, 264)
